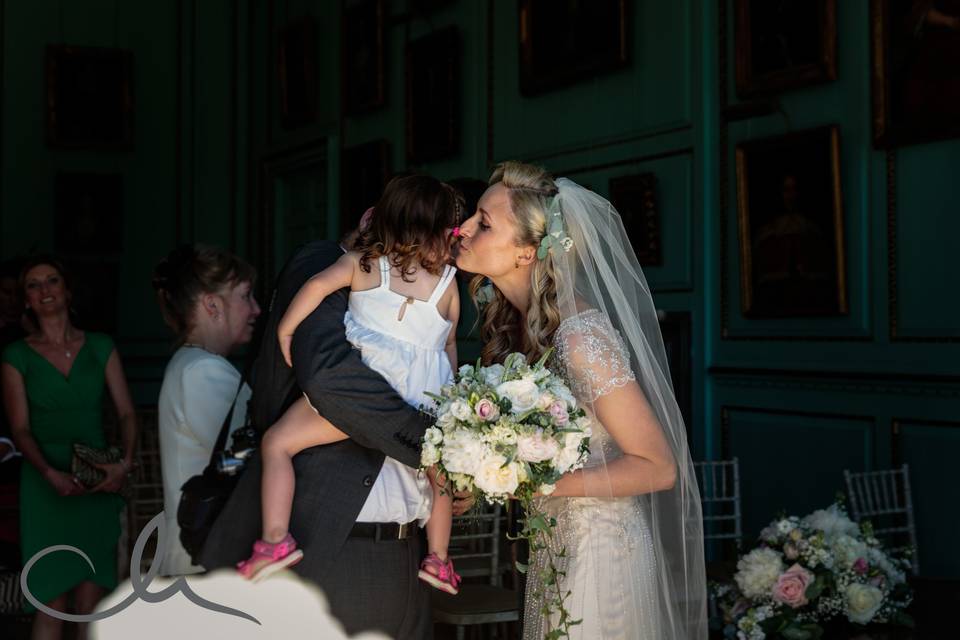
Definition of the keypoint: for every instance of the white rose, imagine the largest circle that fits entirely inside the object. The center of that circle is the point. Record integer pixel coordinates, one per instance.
(546, 399)
(461, 410)
(446, 420)
(568, 458)
(462, 452)
(465, 371)
(523, 394)
(547, 489)
(863, 602)
(494, 476)
(433, 436)
(429, 455)
(493, 374)
(758, 571)
(536, 448)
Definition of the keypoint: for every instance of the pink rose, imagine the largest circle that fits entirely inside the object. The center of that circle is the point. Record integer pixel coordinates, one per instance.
(792, 586)
(860, 566)
(559, 412)
(487, 410)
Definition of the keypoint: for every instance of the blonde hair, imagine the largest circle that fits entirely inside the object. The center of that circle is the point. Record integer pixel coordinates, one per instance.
(530, 189)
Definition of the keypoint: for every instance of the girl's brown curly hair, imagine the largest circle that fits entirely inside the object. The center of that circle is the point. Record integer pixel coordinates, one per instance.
(411, 223)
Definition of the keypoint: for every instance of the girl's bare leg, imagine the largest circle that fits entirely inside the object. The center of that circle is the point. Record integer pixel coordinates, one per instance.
(441, 516)
(298, 429)
(87, 594)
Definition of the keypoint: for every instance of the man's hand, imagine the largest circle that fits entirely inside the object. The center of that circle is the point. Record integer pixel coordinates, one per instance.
(462, 502)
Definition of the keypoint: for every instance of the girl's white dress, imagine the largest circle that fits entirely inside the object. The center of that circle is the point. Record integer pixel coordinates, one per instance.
(409, 353)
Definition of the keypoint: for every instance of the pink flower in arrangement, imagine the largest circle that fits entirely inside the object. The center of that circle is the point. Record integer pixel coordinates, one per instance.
(791, 587)
(876, 581)
(487, 410)
(559, 412)
(790, 551)
(860, 566)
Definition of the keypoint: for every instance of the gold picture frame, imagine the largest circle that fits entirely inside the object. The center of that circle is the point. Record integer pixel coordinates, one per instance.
(791, 226)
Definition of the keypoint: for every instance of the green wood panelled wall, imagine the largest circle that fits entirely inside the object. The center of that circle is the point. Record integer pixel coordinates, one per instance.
(796, 400)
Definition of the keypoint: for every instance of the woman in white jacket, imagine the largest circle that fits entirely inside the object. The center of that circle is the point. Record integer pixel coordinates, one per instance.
(206, 299)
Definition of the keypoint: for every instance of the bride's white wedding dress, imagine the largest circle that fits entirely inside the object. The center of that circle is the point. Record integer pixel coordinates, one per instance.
(609, 559)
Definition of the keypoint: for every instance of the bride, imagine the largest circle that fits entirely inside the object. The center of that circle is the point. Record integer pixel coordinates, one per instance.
(562, 274)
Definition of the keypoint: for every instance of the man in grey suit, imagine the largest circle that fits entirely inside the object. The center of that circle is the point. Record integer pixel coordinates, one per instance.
(368, 570)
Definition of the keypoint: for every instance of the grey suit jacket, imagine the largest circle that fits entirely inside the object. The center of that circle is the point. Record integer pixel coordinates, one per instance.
(333, 481)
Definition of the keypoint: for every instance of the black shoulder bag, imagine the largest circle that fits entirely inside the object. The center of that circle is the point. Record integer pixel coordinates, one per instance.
(203, 496)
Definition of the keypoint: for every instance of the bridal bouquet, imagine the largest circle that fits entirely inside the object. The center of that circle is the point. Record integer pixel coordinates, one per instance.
(810, 570)
(510, 430)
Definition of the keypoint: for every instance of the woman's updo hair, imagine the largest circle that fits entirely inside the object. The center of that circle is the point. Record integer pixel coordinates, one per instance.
(530, 189)
(190, 271)
(411, 223)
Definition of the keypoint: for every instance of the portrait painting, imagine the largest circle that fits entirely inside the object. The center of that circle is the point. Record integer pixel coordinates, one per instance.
(362, 56)
(791, 228)
(366, 170)
(784, 45)
(635, 199)
(297, 73)
(564, 43)
(89, 98)
(433, 96)
(916, 71)
(89, 213)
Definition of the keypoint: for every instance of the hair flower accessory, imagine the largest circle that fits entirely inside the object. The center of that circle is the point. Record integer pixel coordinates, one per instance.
(555, 233)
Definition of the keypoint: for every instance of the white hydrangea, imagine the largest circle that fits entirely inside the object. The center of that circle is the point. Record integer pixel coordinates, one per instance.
(462, 452)
(832, 522)
(758, 571)
(846, 550)
(493, 374)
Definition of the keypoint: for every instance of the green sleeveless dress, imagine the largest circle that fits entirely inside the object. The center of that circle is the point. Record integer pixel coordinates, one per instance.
(64, 410)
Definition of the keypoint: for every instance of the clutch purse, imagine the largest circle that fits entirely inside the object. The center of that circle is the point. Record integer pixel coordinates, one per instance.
(82, 465)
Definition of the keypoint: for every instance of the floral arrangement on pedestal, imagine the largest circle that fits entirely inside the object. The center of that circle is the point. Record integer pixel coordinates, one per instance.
(511, 430)
(809, 571)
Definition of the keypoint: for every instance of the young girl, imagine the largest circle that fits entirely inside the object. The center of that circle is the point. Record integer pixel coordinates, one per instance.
(402, 315)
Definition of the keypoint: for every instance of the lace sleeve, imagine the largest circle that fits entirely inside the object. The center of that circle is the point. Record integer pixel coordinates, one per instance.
(592, 355)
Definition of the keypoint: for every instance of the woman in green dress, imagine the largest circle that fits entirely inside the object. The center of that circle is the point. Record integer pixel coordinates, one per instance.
(53, 382)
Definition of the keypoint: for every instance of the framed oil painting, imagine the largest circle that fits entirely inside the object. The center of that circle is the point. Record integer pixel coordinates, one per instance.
(89, 98)
(366, 169)
(785, 44)
(297, 73)
(790, 214)
(635, 199)
(563, 43)
(362, 56)
(433, 96)
(89, 214)
(916, 70)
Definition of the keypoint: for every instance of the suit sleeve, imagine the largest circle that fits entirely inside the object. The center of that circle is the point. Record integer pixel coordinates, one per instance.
(345, 391)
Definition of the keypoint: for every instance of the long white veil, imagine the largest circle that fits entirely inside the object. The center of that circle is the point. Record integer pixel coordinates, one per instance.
(597, 269)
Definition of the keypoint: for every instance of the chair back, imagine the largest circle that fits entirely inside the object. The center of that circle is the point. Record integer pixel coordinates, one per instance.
(719, 482)
(475, 544)
(883, 497)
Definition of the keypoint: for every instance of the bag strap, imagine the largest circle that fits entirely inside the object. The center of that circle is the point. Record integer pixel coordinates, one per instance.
(222, 438)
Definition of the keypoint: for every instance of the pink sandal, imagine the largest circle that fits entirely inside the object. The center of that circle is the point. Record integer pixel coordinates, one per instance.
(281, 554)
(442, 577)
